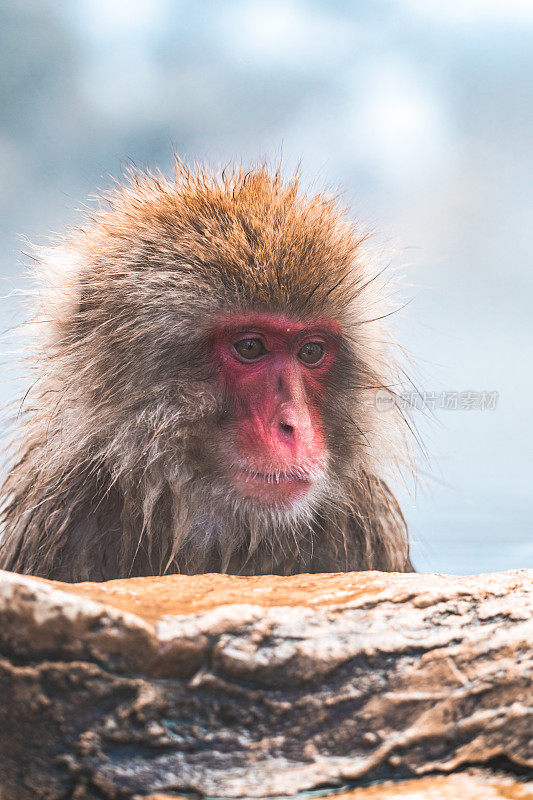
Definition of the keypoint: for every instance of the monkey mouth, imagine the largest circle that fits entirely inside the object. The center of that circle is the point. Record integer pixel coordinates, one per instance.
(276, 487)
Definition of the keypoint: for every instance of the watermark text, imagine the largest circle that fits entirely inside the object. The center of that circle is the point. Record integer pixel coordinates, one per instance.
(467, 400)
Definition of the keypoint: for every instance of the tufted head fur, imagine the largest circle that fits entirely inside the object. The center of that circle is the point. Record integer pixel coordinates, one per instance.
(116, 468)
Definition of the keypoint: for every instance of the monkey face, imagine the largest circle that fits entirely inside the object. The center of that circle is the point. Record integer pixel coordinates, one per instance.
(273, 373)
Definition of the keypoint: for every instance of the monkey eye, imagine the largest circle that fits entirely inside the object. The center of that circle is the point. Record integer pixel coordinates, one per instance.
(250, 349)
(311, 353)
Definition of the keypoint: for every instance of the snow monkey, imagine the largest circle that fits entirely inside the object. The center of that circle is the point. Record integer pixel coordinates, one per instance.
(204, 398)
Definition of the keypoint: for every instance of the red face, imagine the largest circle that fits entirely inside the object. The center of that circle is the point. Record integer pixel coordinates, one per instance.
(274, 373)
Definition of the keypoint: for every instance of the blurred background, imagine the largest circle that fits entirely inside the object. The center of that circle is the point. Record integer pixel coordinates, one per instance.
(419, 111)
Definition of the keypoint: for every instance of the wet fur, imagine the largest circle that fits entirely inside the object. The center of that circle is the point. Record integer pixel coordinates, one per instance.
(116, 469)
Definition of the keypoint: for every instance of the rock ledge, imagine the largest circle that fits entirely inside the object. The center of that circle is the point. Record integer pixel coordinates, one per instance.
(262, 687)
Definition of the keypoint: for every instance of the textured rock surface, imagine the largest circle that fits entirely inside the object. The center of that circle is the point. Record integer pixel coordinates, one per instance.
(264, 686)
(464, 786)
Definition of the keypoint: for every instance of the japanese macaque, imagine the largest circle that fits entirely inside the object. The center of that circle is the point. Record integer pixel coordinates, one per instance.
(209, 353)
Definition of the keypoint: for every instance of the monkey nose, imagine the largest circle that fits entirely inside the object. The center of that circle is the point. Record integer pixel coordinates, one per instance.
(293, 425)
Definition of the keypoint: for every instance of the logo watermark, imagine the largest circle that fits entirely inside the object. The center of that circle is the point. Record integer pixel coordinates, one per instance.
(468, 400)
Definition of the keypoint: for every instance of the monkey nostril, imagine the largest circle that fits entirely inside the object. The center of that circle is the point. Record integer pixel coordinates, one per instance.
(286, 428)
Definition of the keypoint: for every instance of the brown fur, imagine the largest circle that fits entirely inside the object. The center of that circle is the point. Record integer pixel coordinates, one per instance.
(115, 469)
